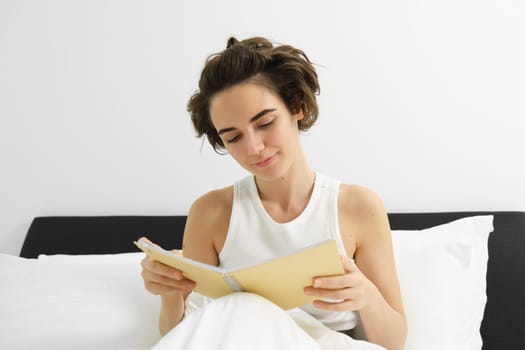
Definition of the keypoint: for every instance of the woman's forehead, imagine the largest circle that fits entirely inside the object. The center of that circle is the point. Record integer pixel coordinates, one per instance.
(242, 101)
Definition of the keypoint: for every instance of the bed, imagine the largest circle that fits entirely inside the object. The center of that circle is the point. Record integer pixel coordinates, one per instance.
(76, 283)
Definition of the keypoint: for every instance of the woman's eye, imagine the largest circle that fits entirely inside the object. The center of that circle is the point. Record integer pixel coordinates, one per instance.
(233, 139)
(265, 125)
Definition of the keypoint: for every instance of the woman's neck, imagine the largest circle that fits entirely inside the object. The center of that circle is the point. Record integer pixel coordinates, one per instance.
(286, 197)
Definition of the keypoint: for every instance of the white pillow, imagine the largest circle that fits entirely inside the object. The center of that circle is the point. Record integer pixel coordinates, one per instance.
(76, 302)
(442, 274)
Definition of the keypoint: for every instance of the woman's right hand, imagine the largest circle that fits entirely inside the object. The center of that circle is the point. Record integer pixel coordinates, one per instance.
(162, 279)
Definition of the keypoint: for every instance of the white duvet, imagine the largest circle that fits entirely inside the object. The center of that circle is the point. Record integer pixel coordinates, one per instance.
(247, 321)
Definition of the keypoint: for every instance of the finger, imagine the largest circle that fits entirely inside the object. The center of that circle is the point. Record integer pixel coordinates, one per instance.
(157, 288)
(347, 305)
(145, 239)
(338, 282)
(161, 269)
(349, 264)
(329, 294)
(184, 283)
(334, 294)
(165, 272)
(332, 282)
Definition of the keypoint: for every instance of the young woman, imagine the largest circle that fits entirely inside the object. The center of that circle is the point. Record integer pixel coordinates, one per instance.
(253, 101)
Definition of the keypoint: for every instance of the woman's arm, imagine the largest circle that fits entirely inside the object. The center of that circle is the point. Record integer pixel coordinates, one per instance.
(383, 318)
(172, 306)
(206, 226)
(172, 287)
(370, 285)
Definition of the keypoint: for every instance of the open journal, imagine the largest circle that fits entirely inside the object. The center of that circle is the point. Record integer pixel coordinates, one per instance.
(280, 280)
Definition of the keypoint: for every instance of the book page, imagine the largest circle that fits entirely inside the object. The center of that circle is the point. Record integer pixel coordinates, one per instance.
(283, 279)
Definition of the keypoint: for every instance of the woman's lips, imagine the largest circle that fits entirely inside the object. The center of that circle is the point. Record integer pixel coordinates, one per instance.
(265, 162)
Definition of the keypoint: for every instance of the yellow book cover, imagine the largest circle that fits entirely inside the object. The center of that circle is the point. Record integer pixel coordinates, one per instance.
(280, 280)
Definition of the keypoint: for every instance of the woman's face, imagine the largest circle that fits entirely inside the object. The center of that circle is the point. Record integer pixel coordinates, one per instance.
(256, 128)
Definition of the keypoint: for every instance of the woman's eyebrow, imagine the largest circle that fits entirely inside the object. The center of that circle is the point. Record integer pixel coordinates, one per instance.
(252, 119)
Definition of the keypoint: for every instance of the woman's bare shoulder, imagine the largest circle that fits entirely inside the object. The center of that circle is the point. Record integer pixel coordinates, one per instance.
(359, 200)
(211, 209)
(364, 210)
(214, 201)
(207, 224)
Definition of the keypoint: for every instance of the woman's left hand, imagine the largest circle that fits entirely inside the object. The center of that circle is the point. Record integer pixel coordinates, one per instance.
(350, 291)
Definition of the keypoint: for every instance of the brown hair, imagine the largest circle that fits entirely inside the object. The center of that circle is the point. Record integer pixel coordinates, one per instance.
(283, 69)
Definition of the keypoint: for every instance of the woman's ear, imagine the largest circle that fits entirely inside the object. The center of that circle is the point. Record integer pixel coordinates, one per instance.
(299, 114)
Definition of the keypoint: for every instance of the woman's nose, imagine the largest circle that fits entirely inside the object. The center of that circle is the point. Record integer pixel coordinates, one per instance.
(254, 145)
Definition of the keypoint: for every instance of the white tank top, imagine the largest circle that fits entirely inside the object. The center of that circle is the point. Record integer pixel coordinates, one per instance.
(254, 236)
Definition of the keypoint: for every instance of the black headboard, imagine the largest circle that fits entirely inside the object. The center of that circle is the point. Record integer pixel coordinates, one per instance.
(99, 234)
(504, 319)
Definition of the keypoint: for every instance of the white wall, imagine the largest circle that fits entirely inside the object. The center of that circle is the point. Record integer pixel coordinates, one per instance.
(422, 101)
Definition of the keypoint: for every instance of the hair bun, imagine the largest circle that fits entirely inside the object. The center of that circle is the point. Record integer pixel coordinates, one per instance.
(251, 43)
(231, 41)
